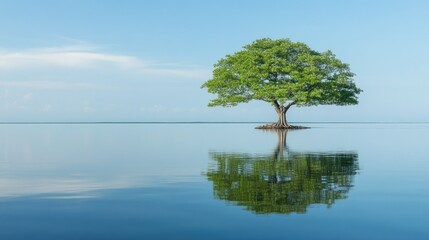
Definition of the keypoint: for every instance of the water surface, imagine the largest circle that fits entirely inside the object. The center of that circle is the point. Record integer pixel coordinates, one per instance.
(213, 181)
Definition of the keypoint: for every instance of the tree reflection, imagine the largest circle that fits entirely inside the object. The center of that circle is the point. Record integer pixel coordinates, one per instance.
(282, 182)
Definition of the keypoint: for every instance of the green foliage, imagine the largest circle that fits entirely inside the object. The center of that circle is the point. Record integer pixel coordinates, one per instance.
(282, 184)
(283, 71)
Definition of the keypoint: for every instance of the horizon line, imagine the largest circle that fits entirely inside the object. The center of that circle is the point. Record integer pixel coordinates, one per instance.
(206, 122)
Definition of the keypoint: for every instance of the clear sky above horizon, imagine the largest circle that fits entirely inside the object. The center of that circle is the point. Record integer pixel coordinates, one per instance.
(146, 60)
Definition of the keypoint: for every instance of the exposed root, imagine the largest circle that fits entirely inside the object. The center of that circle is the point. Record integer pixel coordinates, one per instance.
(278, 126)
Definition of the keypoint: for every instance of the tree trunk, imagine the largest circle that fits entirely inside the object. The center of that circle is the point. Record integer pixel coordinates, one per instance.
(281, 115)
(281, 118)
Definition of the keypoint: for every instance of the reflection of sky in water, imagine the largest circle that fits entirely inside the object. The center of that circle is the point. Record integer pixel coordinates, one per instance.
(72, 158)
(38, 159)
(145, 181)
(64, 159)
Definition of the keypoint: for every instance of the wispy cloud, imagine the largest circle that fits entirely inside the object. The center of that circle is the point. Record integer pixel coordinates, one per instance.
(55, 85)
(86, 56)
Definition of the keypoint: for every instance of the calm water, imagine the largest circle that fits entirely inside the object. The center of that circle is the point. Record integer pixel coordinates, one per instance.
(214, 181)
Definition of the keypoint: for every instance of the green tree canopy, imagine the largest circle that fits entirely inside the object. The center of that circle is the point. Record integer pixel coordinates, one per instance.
(283, 73)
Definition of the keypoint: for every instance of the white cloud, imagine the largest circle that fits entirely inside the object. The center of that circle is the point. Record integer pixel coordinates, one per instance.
(27, 97)
(47, 108)
(89, 57)
(44, 84)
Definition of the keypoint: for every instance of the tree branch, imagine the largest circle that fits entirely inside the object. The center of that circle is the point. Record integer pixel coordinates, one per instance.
(289, 105)
(276, 105)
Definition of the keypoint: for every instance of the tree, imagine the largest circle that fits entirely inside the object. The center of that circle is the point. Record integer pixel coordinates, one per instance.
(283, 73)
(283, 182)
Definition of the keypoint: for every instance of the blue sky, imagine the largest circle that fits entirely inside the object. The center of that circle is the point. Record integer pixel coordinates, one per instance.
(146, 60)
